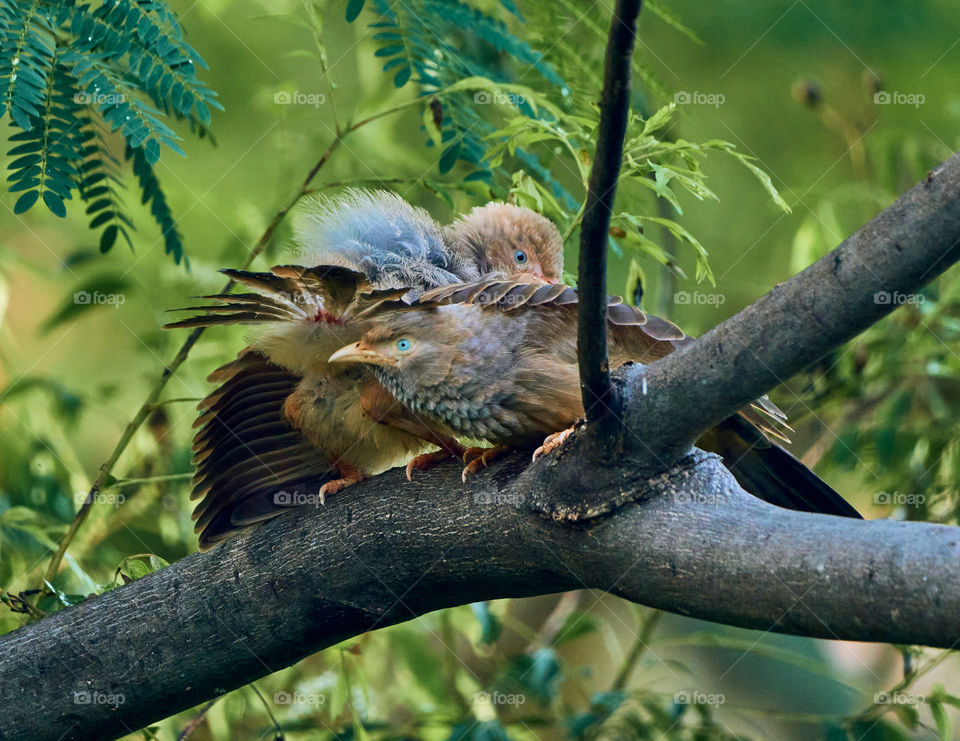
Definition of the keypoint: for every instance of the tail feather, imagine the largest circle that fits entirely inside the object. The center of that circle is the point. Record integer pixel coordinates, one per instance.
(769, 472)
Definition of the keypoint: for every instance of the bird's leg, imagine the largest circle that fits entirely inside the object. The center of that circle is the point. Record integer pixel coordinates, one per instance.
(348, 475)
(478, 458)
(552, 442)
(428, 460)
(448, 448)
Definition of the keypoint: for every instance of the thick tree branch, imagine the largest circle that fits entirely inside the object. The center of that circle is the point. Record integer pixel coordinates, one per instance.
(798, 322)
(689, 541)
(595, 383)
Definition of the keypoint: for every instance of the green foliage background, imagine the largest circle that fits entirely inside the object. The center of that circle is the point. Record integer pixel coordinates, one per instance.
(700, 230)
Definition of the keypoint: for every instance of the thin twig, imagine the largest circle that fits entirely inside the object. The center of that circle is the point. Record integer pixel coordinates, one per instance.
(592, 277)
(356, 182)
(876, 710)
(266, 706)
(636, 650)
(196, 720)
(151, 480)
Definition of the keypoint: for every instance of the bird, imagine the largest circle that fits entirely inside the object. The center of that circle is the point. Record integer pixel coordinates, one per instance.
(497, 361)
(493, 235)
(280, 414)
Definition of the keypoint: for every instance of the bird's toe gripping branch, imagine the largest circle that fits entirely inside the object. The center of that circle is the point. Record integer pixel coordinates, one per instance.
(348, 476)
(425, 461)
(477, 458)
(552, 442)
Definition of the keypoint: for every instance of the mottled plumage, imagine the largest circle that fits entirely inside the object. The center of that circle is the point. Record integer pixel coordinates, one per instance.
(499, 363)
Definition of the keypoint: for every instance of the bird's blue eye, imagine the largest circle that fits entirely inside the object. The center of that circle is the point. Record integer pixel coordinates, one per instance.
(404, 344)
(520, 256)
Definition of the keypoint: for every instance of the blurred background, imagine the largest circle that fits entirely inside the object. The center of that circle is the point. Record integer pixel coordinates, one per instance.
(844, 106)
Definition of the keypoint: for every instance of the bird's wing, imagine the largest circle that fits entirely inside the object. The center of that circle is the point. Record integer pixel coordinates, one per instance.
(245, 452)
(288, 293)
(641, 336)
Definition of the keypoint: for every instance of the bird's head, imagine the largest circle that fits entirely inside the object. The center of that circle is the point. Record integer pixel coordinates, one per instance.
(510, 240)
(405, 346)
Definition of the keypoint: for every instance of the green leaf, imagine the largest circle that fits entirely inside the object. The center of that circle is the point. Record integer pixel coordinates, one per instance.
(354, 8)
(25, 201)
(449, 157)
(490, 627)
(576, 625)
(942, 720)
(402, 77)
(659, 119)
(54, 203)
(108, 238)
(104, 290)
(747, 161)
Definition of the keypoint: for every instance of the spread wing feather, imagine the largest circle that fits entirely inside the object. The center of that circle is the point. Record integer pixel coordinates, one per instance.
(244, 449)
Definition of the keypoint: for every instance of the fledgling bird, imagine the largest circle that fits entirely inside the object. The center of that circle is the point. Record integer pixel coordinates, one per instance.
(501, 238)
(281, 414)
(497, 361)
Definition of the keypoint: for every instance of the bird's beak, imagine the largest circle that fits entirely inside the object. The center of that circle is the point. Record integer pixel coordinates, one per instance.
(538, 274)
(360, 352)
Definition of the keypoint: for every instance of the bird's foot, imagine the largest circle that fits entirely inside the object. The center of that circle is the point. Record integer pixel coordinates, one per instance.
(552, 442)
(426, 460)
(348, 476)
(449, 448)
(477, 458)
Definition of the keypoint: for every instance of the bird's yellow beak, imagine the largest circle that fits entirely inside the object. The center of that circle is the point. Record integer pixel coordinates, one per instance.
(360, 352)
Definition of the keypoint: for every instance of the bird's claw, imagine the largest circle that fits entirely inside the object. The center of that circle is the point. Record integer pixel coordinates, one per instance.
(426, 460)
(477, 458)
(552, 442)
(348, 478)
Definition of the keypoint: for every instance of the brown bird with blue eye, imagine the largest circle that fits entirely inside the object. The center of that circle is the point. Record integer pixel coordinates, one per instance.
(280, 414)
(497, 361)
